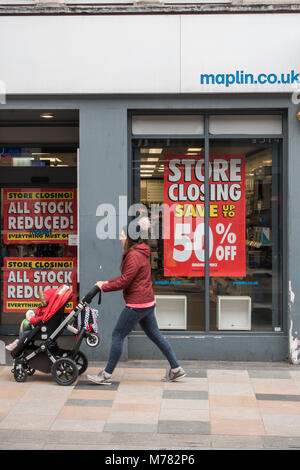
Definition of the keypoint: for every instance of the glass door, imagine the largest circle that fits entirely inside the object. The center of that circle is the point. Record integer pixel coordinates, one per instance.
(246, 253)
(38, 227)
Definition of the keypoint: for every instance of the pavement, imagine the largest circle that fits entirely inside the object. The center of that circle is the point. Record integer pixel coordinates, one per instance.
(218, 405)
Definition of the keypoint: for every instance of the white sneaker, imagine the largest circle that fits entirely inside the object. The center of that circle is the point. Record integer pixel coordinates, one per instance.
(99, 379)
(173, 376)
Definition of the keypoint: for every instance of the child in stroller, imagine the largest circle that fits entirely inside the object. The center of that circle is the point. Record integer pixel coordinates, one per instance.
(31, 317)
(38, 349)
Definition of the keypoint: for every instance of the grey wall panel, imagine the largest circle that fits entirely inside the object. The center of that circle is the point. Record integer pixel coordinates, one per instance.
(293, 234)
(213, 347)
(102, 177)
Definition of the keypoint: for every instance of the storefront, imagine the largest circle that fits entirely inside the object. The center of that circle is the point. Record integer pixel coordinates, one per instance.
(211, 155)
(39, 214)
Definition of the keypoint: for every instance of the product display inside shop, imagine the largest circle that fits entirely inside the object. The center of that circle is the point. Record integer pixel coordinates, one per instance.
(36, 157)
(36, 252)
(38, 237)
(245, 194)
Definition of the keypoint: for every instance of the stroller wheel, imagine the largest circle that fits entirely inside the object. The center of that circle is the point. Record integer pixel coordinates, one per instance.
(92, 340)
(81, 361)
(64, 371)
(20, 374)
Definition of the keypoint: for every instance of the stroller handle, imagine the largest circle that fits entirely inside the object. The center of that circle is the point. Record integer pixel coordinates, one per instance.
(91, 294)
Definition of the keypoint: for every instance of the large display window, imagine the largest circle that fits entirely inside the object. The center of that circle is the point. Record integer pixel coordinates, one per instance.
(217, 242)
(182, 296)
(251, 299)
(38, 227)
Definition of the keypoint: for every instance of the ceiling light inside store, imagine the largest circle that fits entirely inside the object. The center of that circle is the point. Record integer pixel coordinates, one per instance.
(152, 159)
(40, 153)
(148, 166)
(155, 151)
(47, 116)
(195, 149)
(51, 159)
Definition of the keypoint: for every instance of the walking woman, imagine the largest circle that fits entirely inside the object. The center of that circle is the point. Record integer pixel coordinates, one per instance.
(136, 283)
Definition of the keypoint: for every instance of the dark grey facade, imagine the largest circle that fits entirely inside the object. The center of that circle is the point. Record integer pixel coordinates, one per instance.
(105, 173)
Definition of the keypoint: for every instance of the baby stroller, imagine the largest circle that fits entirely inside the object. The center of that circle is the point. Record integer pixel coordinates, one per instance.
(38, 349)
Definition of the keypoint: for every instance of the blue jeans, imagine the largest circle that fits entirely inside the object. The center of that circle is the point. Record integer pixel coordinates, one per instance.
(127, 320)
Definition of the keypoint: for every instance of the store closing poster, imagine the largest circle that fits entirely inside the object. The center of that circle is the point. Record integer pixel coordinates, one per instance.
(38, 216)
(184, 243)
(23, 277)
(44, 215)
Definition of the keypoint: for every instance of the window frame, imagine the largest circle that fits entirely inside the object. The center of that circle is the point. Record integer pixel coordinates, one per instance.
(207, 137)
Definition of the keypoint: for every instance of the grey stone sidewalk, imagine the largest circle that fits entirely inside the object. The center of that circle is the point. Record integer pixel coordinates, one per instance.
(219, 405)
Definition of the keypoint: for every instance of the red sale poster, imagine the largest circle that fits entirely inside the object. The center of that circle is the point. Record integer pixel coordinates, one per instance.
(184, 243)
(39, 215)
(22, 278)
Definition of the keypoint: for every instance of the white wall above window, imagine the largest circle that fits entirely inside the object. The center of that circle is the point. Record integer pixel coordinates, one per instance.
(256, 124)
(167, 125)
(150, 53)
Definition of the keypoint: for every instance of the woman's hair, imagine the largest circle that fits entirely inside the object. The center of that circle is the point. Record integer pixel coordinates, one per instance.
(130, 244)
(142, 236)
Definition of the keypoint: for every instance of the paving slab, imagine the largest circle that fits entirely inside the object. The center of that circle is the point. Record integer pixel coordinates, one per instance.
(130, 427)
(186, 394)
(80, 425)
(184, 427)
(277, 397)
(88, 402)
(86, 385)
(269, 374)
(237, 442)
(275, 442)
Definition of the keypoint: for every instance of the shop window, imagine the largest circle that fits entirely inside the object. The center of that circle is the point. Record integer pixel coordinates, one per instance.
(244, 227)
(38, 210)
(248, 239)
(180, 299)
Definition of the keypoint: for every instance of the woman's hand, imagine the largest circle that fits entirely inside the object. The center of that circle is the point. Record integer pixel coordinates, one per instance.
(100, 284)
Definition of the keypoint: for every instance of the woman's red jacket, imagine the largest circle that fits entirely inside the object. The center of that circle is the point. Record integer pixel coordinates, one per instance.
(135, 279)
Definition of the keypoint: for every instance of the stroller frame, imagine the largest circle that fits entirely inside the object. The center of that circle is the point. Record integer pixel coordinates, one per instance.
(65, 365)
